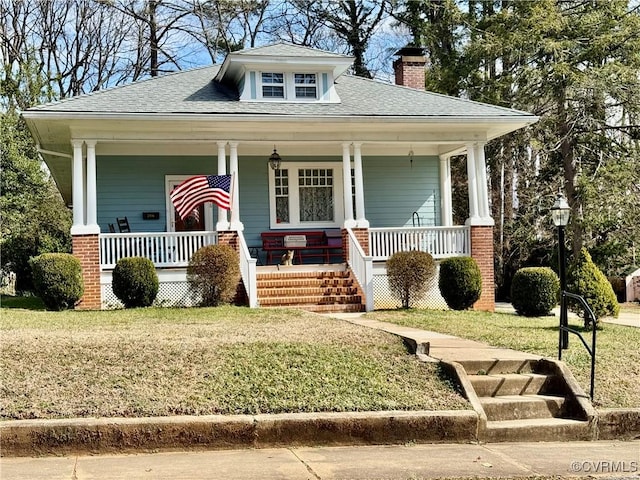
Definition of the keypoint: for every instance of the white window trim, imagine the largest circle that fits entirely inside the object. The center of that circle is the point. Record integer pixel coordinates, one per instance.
(170, 182)
(289, 86)
(294, 199)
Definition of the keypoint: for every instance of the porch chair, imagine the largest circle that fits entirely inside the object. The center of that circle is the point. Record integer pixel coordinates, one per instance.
(123, 225)
(112, 228)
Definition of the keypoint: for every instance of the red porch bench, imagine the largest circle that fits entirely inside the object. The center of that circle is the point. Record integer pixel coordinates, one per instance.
(304, 243)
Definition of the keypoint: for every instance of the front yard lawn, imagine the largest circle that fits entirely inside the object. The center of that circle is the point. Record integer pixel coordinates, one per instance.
(617, 350)
(152, 362)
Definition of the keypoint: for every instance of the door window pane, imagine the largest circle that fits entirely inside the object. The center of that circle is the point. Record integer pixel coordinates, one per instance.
(316, 200)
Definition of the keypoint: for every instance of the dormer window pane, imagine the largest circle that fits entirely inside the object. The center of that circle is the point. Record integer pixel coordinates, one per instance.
(306, 85)
(273, 85)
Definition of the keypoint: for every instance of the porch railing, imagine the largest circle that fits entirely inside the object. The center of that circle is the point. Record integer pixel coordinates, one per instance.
(248, 272)
(440, 242)
(166, 249)
(362, 267)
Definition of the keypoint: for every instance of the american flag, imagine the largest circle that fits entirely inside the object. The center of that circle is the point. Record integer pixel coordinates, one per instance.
(201, 189)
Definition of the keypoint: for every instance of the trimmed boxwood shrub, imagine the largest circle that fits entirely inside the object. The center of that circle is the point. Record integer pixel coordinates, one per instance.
(214, 273)
(460, 282)
(534, 291)
(410, 274)
(584, 278)
(135, 282)
(57, 280)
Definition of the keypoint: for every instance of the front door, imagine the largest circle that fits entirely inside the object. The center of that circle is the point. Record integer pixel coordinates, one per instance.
(194, 221)
(199, 219)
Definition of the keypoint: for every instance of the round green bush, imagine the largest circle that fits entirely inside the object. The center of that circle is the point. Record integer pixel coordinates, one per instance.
(460, 282)
(534, 291)
(584, 278)
(214, 273)
(57, 280)
(135, 282)
(410, 275)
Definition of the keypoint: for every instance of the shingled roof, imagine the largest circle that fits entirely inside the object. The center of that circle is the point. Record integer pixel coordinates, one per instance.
(196, 92)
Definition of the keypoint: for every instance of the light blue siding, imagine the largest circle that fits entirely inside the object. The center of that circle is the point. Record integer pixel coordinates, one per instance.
(128, 186)
(252, 80)
(394, 189)
(325, 84)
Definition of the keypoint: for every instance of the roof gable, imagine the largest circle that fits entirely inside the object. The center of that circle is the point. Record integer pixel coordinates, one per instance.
(281, 57)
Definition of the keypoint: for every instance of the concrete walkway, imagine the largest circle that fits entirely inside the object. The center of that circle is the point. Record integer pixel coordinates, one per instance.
(565, 459)
(438, 345)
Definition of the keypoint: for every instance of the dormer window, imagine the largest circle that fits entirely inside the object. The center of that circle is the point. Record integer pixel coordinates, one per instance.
(306, 85)
(286, 86)
(272, 85)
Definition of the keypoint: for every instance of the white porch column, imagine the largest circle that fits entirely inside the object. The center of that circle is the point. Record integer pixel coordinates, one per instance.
(446, 209)
(77, 180)
(92, 201)
(473, 184)
(223, 221)
(361, 218)
(349, 222)
(483, 189)
(236, 224)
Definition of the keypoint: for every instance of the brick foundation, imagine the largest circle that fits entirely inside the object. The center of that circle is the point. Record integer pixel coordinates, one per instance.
(482, 252)
(229, 238)
(362, 235)
(86, 248)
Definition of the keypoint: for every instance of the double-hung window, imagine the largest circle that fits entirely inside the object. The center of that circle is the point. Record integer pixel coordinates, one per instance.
(306, 85)
(288, 86)
(272, 85)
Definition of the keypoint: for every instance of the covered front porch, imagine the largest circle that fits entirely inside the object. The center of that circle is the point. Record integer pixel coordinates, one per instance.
(171, 251)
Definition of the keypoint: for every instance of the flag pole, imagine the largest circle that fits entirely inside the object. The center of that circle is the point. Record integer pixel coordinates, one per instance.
(233, 185)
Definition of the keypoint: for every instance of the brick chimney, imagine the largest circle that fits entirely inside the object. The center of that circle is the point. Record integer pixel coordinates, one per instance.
(409, 68)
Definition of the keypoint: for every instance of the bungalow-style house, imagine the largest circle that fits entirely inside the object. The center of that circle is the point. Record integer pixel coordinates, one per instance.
(357, 168)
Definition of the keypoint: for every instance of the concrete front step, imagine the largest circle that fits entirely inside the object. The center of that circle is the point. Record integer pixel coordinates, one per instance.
(509, 384)
(498, 366)
(521, 407)
(538, 430)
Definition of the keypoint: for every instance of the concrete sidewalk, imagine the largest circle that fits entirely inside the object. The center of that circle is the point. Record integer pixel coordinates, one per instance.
(591, 459)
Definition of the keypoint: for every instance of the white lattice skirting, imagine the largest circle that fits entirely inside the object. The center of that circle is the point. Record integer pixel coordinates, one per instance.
(384, 300)
(174, 290)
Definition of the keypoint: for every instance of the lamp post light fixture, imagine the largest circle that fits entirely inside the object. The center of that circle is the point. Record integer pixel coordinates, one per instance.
(560, 214)
(275, 160)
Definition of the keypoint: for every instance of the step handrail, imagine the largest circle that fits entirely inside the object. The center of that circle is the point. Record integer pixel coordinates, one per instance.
(563, 341)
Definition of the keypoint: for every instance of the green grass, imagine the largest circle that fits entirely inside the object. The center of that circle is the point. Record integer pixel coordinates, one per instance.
(152, 362)
(617, 350)
(28, 303)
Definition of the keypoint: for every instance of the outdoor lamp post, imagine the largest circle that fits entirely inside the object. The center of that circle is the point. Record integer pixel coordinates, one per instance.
(560, 214)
